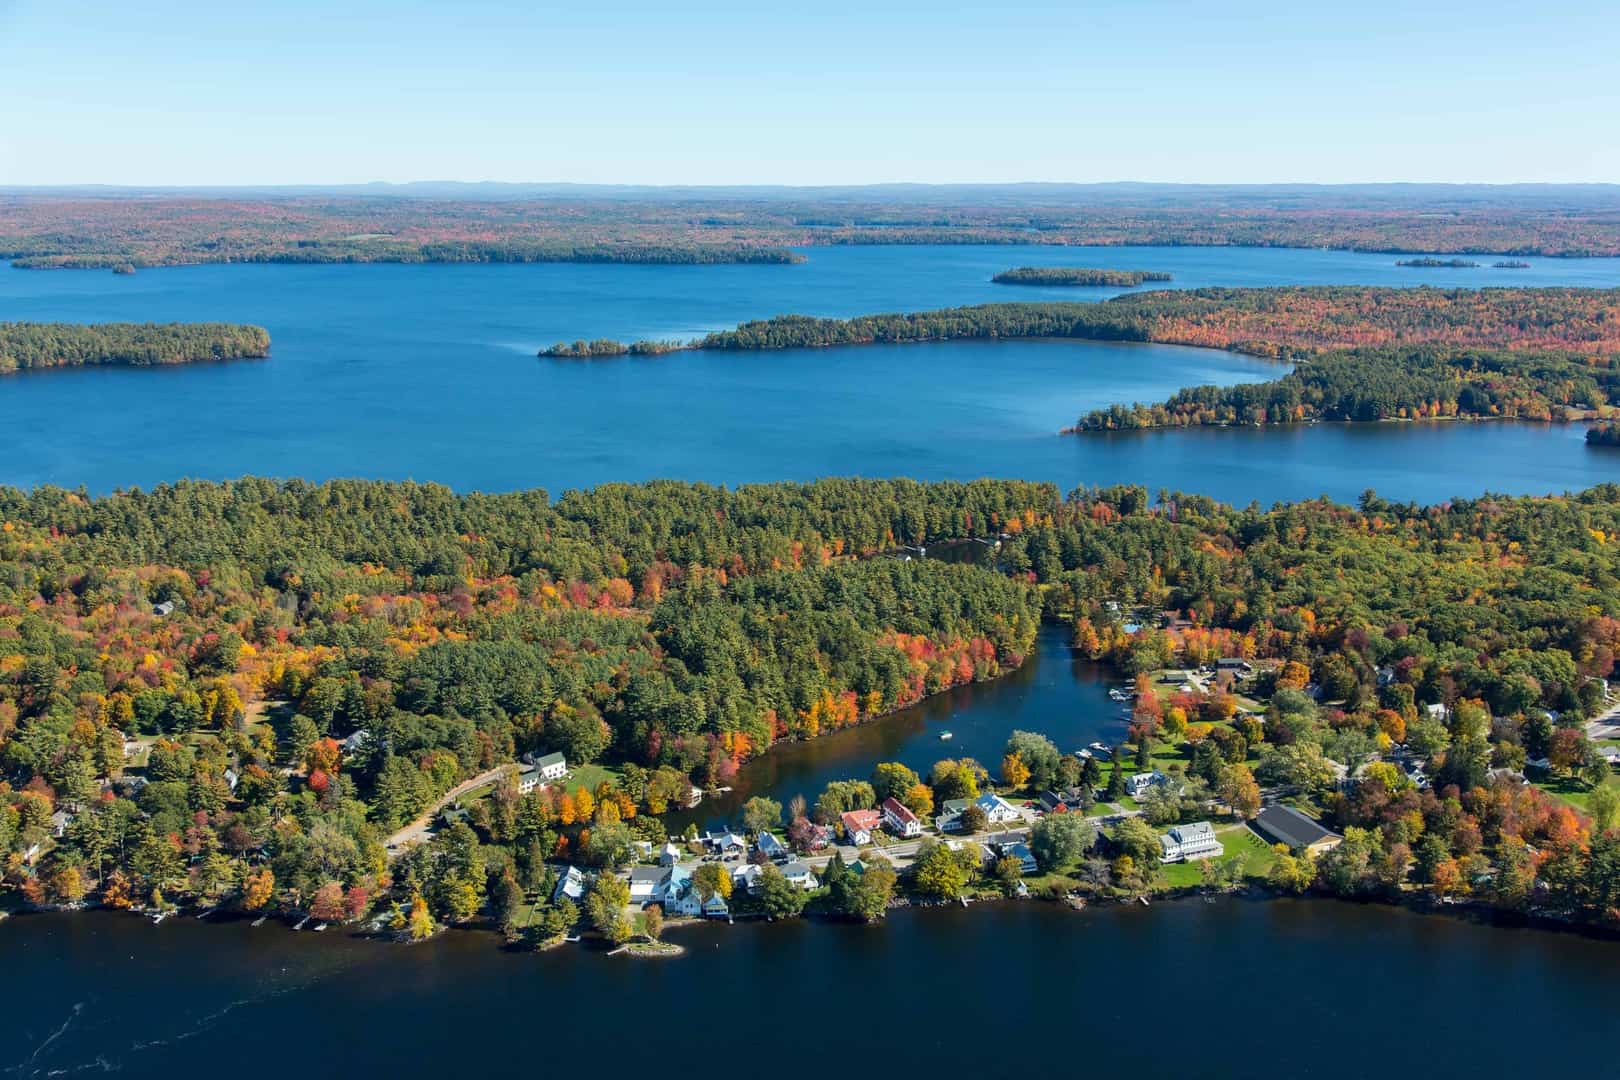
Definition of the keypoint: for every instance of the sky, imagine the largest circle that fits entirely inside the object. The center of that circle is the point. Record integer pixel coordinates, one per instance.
(209, 92)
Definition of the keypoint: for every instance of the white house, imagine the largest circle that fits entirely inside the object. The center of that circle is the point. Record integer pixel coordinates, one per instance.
(669, 854)
(570, 884)
(552, 766)
(747, 876)
(770, 847)
(528, 779)
(997, 811)
(899, 819)
(799, 875)
(1137, 784)
(646, 882)
(1187, 842)
(684, 899)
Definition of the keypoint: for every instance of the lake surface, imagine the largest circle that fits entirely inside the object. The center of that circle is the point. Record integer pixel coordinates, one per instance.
(1280, 988)
(428, 372)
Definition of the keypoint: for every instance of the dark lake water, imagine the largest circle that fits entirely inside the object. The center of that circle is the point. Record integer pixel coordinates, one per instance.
(429, 372)
(1284, 988)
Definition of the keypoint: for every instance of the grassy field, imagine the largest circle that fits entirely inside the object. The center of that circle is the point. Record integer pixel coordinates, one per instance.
(1574, 792)
(589, 776)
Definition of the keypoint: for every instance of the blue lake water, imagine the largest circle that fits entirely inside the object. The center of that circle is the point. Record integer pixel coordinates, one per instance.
(429, 372)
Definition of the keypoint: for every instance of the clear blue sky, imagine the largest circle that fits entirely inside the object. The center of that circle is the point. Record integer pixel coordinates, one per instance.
(699, 91)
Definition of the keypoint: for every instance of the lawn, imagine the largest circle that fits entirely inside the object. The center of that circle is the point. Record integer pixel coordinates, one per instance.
(1239, 842)
(590, 776)
(1574, 792)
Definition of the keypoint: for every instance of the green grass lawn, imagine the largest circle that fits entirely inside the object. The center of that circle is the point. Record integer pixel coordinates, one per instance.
(589, 776)
(1574, 792)
(1239, 841)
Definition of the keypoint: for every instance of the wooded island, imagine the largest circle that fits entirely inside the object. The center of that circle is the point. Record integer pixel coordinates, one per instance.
(26, 346)
(1077, 275)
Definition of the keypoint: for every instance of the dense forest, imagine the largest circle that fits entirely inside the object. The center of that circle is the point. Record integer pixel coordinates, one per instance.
(228, 636)
(122, 232)
(235, 691)
(30, 346)
(1416, 383)
(1076, 275)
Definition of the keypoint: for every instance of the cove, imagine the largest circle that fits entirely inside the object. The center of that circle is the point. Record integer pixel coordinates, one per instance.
(1056, 692)
(427, 372)
(1281, 987)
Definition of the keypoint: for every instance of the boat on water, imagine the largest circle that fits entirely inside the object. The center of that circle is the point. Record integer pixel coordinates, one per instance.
(1119, 694)
(945, 736)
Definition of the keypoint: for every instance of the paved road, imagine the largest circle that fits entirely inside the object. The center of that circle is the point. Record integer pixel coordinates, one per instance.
(1606, 724)
(416, 831)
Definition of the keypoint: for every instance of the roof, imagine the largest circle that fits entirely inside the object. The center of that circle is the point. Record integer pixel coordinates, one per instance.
(953, 806)
(1198, 830)
(894, 806)
(654, 874)
(550, 759)
(861, 820)
(1290, 826)
(769, 843)
(796, 869)
(990, 801)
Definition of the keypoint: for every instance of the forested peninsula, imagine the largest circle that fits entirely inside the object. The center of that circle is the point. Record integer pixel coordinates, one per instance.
(1077, 276)
(1415, 383)
(231, 694)
(1276, 323)
(27, 346)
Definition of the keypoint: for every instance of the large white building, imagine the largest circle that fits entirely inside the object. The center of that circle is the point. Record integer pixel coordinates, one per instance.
(1187, 842)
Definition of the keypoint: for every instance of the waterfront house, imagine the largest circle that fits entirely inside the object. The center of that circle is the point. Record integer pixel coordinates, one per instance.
(859, 825)
(669, 854)
(818, 837)
(1014, 845)
(747, 876)
(770, 847)
(1137, 784)
(978, 850)
(799, 875)
(647, 883)
(1184, 843)
(899, 819)
(570, 885)
(1284, 825)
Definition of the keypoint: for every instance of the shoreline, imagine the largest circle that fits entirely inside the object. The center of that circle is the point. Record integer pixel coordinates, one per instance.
(1473, 912)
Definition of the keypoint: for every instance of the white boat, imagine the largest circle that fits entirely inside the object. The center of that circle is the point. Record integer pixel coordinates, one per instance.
(945, 736)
